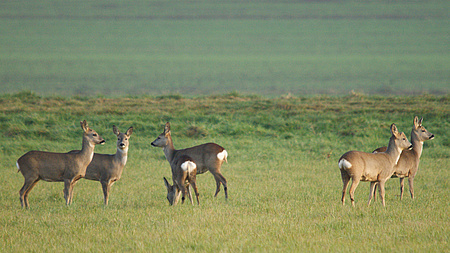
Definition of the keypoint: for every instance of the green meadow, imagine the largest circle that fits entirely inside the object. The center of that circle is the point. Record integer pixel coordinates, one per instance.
(268, 48)
(284, 182)
(286, 87)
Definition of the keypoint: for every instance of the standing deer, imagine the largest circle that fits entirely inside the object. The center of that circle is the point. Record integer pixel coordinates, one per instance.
(207, 157)
(108, 168)
(376, 168)
(408, 164)
(185, 170)
(57, 167)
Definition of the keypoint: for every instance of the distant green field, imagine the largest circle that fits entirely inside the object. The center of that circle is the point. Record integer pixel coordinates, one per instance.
(283, 181)
(271, 48)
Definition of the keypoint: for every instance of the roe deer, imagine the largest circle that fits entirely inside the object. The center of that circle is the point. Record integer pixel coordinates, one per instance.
(408, 164)
(108, 168)
(184, 170)
(207, 157)
(58, 167)
(375, 168)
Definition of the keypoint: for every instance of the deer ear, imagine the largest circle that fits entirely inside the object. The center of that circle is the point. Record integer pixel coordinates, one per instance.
(394, 130)
(84, 125)
(416, 122)
(168, 186)
(129, 131)
(420, 121)
(116, 130)
(167, 128)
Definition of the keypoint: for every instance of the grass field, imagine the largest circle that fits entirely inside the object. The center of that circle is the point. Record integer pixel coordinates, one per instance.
(270, 81)
(267, 48)
(284, 183)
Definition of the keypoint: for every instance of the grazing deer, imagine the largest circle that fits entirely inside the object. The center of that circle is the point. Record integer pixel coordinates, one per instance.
(207, 157)
(376, 168)
(408, 164)
(57, 167)
(108, 168)
(184, 170)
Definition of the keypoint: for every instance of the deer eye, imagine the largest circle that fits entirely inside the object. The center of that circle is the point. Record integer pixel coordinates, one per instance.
(94, 134)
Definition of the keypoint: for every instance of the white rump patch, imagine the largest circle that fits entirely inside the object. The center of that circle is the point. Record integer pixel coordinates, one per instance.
(222, 155)
(344, 164)
(188, 166)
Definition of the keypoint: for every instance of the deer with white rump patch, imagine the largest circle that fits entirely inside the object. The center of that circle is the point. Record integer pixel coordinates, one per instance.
(408, 164)
(108, 168)
(207, 157)
(58, 167)
(376, 168)
(185, 170)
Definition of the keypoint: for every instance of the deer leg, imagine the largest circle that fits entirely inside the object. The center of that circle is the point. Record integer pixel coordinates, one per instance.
(402, 187)
(411, 186)
(183, 191)
(26, 188)
(106, 188)
(345, 181)
(372, 189)
(220, 179)
(66, 190)
(355, 182)
(375, 192)
(194, 185)
(382, 192)
(217, 187)
(72, 184)
(71, 192)
(177, 196)
(176, 190)
(188, 188)
(28, 191)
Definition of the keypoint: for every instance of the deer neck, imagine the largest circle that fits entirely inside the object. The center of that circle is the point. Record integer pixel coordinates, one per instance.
(417, 144)
(87, 150)
(169, 150)
(121, 156)
(393, 151)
